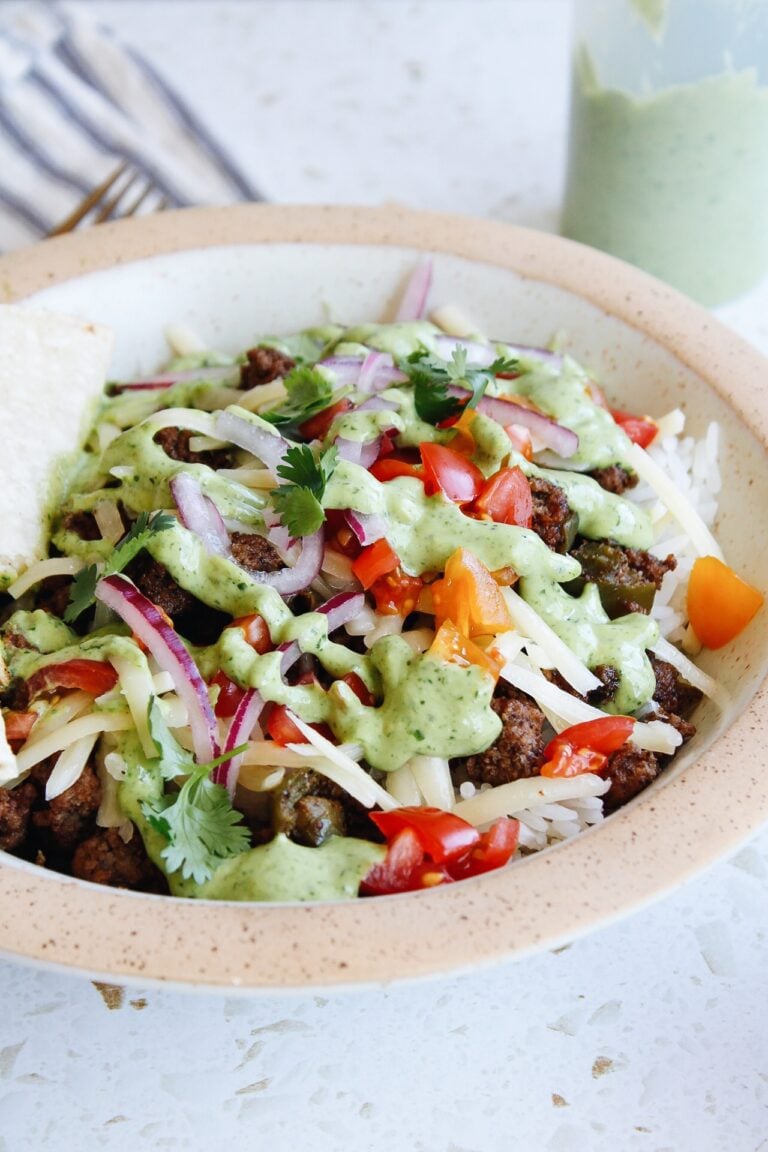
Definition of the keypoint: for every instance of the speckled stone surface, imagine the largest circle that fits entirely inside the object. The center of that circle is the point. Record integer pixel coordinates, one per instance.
(646, 1035)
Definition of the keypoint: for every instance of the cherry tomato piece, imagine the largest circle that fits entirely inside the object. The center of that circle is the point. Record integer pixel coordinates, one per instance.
(442, 835)
(449, 472)
(374, 561)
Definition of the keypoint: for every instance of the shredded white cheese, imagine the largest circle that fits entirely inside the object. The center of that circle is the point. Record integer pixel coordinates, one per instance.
(680, 507)
(340, 768)
(531, 624)
(519, 795)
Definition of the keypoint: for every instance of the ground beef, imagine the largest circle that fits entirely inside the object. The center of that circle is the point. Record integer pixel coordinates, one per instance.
(175, 443)
(553, 519)
(66, 820)
(608, 675)
(308, 807)
(255, 553)
(263, 366)
(518, 750)
(672, 693)
(83, 524)
(16, 696)
(614, 478)
(52, 594)
(15, 808)
(159, 586)
(630, 770)
(105, 858)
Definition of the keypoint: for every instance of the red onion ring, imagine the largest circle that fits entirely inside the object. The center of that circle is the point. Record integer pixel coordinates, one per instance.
(243, 722)
(340, 609)
(367, 526)
(269, 447)
(199, 514)
(146, 620)
(556, 436)
(288, 580)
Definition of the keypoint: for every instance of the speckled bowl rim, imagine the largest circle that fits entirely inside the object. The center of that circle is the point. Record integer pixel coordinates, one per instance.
(669, 834)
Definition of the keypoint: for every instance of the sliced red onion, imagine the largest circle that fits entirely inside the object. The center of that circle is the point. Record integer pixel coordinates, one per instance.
(288, 580)
(167, 379)
(340, 609)
(243, 722)
(414, 302)
(199, 514)
(147, 621)
(269, 447)
(376, 404)
(281, 538)
(555, 436)
(378, 371)
(362, 452)
(346, 369)
(367, 526)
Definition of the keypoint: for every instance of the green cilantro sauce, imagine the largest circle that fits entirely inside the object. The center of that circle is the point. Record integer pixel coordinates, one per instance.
(428, 706)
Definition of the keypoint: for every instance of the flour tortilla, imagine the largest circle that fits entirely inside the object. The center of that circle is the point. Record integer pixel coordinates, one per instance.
(52, 370)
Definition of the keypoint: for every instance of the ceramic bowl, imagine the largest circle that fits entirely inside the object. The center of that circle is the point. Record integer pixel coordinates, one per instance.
(233, 273)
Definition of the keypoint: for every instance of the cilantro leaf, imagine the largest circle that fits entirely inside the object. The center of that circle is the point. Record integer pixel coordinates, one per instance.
(309, 391)
(432, 378)
(82, 593)
(201, 826)
(298, 501)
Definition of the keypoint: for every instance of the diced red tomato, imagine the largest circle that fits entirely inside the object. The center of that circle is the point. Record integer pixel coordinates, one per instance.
(428, 847)
(443, 836)
(317, 427)
(374, 561)
(92, 676)
(640, 429)
(495, 849)
(449, 472)
(390, 467)
(281, 728)
(18, 725)
(256, 631)
(606, 734)
(397, 593)
(586, 747)
(403, 869)
(360, 689)
(468, 595)
(506, 498)
(566, 760)
(230, 695)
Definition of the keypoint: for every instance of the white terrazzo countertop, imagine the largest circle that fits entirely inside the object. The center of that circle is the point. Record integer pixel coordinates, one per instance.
(648, 1035)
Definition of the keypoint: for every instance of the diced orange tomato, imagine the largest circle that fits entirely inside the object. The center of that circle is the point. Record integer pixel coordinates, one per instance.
(521, 439)
(92, 676)
(506, 498)
(374, 561)
(463, 441)
(449, 472)
(317, 426)
(720, 604)
(397, 593)
(256, 632)
(389, 467)
(468, 595)
(452, 645)
(640, 429)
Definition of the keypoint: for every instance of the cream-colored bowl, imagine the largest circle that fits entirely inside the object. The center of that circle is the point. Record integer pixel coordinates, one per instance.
(238, 272)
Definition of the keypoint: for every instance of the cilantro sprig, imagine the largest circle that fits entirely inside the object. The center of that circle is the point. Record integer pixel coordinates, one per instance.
(298, 500)
(309, 392)
(82, 593)
(432, 378)
(199, 823)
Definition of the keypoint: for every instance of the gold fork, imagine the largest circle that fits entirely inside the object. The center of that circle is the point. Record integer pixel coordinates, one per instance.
(119, 195)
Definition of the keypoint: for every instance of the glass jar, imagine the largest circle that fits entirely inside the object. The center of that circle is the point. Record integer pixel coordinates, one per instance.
(668, 149)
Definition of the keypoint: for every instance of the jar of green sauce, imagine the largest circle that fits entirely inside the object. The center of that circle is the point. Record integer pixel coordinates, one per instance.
(668, 149)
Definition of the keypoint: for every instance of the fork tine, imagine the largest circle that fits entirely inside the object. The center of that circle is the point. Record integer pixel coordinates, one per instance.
(70, 222)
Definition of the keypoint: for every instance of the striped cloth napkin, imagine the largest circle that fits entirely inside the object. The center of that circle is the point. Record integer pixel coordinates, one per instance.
(74, 103)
